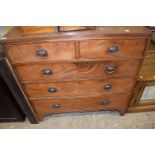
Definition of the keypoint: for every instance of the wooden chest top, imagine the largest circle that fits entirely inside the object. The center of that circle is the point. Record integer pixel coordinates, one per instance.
(15, 34)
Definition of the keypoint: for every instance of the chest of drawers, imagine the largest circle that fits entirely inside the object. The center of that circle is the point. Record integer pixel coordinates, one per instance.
(77, 71)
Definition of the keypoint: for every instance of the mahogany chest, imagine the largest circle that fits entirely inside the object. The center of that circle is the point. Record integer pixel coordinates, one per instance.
(90, 70)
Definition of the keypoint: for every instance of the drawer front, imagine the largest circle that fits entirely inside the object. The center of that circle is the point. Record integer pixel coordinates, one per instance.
(112, 48)
(41, 52)
(109, 102)
(79, 88)
(69, 71)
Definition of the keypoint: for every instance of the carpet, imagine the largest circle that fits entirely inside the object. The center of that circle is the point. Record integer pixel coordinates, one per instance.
(91, 120)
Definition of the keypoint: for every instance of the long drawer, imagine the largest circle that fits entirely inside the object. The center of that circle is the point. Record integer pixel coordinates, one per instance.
(60, 105)
(62, 71)
(79, 88)
(112, 48)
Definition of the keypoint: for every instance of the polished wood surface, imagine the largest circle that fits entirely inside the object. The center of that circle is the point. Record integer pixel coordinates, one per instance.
(141, 108)
(138, 105)
(66, 71)
(147, 71)
(101, 32)
(68, 50)
(72, 71)
(99, 48)
(79, 88)
(146, 78)
(37, 29)
(73, 28)
(27, 52)
(96, 103)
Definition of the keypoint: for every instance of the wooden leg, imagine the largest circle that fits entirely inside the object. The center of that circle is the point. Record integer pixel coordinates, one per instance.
(122, 112)
(41, 118)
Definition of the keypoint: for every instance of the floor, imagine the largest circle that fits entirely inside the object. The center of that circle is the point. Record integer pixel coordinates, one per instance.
(93, 120)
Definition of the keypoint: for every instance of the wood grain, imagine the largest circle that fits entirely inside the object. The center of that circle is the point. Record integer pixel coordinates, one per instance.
(141, 108)
(27, 52)
(147, 71)
(15, 36)
(71, 71)
(77, 28)
(37, 29)
(145, 79)
(79, 88)
(78, 62)
(45, 107)
(98, 48)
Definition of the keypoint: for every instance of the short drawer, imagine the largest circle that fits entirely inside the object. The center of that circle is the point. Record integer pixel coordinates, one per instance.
(41, 52)
(78, 70)
(109, 102)
(79, 88)
(112, 48)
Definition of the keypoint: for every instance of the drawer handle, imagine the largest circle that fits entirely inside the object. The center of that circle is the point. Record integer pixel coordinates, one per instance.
(52, 90)
(113, 49)
(107, 86)
(111, 69)
(56, 105)
(41, 53)
(106, 102)
(47, 71)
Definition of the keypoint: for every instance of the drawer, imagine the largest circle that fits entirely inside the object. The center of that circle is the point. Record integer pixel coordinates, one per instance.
(41, 52)
(112, 48)
(78, 70)
(109, 102)
(79, 88)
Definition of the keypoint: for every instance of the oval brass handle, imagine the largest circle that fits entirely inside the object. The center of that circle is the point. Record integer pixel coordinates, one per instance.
(113, 49)
(56, 105)
(106, 102)
(41, 53)
(107, 86)
(47, 71)
(111, 69)
(52, 90)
